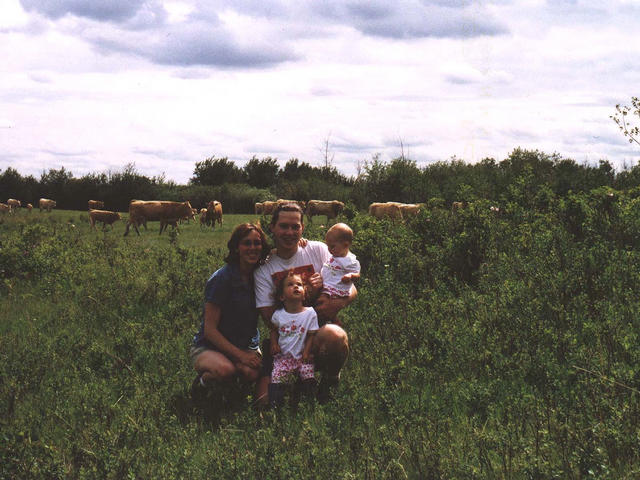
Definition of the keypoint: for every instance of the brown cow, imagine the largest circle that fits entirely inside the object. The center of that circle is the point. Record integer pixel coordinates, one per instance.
(4, 208)
(321, 207)
(203, 217)
(95, 204)
(381, 210)
(104, 216)
(29, 207)
(258, 208)
(13, 204)
(214, 213)
(46, 204)
(268, 207)
(163, 211)
(455, 206)
(410, 209)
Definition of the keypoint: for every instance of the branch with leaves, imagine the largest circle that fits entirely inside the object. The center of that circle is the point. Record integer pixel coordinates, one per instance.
(623, 122)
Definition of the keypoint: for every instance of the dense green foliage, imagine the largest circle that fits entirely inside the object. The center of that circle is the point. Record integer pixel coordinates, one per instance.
(400, 180)
(484, 345)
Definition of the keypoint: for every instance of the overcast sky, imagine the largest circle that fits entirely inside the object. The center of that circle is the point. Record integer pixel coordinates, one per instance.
(94, 85)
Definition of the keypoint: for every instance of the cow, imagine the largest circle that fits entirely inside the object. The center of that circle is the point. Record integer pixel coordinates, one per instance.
(268, 207)
(381, 210)
(410, 209)
(330, 208)
(95, 204)
(214, 213)
(29, 207)
(4, 208)
(163, 211)
(104, 216)
(191, 216)
(258, 208)
(455, 206)
(13, 204)
(203, 217)
(46, 204)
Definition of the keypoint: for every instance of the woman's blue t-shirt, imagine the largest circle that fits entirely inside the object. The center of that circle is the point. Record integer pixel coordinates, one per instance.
(236, 299)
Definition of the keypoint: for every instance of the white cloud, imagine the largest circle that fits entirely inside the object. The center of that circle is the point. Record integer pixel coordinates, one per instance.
(167, 84)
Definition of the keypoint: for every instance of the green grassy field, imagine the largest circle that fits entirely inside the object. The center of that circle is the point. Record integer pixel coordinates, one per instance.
(482, 346)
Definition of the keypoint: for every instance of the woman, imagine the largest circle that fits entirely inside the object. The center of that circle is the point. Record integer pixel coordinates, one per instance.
(227, 344)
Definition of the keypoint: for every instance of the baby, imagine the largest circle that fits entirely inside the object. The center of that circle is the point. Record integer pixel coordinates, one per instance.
(342, 268)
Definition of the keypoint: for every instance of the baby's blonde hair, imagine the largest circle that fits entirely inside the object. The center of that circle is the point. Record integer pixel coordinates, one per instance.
(342, 231)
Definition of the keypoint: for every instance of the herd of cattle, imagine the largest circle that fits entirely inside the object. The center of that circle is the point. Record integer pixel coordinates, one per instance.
(170, 213)
(13, 204)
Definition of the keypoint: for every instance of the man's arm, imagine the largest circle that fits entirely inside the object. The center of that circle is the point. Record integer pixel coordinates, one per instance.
(329, 307)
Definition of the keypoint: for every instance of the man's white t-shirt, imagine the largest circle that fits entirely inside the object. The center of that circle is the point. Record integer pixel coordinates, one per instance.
(293, 329)
(305, 262)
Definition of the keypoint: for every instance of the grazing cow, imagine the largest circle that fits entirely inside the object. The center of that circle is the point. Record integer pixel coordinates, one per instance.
(268, 207)
(214, 213)
(4, 208)
(13, 204)
(95, 204)
(203, 217)
(46, 204)
(381, 210)
(29, 207)
(191, 216)
(321, 207)
(410, 209)
(104, 216)
(163, 211)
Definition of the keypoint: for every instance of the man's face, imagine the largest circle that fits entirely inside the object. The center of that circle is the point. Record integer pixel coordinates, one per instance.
(287, 230)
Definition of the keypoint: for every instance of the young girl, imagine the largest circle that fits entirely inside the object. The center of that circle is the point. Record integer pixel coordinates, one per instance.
(342, 268)
(292, 329)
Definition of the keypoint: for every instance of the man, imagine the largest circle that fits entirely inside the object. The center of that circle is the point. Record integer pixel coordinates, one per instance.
(331, 344)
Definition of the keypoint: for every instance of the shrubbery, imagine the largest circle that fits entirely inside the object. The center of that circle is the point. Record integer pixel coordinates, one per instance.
(484, 345)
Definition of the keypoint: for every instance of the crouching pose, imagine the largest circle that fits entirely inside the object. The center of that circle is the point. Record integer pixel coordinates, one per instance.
(227, 345)
(330, 346)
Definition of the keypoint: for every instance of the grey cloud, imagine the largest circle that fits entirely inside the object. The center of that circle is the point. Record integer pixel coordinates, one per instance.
(62, 153)
(323, 92)
(202, 47)
(111, 10)
(459, 80)
(40, 78)
(194, 44)
(412, 18)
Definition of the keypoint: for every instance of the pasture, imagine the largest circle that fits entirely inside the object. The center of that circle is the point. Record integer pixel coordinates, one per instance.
(483, 346)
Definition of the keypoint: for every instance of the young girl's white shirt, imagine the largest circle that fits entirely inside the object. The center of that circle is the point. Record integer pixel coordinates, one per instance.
(293, 328)
(332, 272)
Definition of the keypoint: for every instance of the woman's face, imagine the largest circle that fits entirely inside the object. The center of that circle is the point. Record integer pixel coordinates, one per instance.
(250, 248)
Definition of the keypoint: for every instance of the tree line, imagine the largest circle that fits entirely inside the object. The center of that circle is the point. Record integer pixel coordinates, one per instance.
(401, 179)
